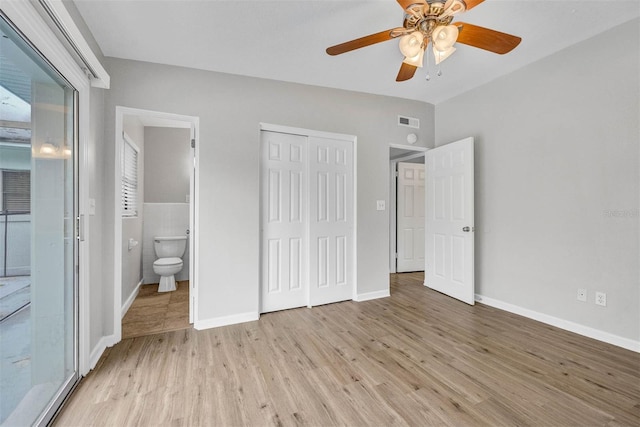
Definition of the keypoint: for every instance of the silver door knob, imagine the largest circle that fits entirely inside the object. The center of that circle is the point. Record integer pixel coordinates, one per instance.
(466, 229)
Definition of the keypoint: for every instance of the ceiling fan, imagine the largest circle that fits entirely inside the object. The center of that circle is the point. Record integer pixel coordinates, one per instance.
(429, 22)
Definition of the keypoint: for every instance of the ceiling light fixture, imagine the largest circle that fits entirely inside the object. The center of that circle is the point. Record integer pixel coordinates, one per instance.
(442, 38)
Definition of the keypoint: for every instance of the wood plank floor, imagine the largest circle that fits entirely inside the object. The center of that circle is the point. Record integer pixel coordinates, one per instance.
(153, 312)
(417, 358)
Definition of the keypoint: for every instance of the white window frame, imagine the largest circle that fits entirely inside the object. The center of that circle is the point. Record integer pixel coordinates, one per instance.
(129, 173)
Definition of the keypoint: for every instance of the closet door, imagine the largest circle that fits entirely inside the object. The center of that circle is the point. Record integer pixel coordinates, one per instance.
(330, 220)
(283, 221)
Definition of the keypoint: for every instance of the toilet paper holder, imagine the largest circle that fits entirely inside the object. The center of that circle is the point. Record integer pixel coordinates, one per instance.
(132, 243)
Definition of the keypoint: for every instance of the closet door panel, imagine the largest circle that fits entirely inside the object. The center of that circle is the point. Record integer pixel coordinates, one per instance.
(283, 222)
(331, 221)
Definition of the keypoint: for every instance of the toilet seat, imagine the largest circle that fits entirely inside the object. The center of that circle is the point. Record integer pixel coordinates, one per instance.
(167, 262)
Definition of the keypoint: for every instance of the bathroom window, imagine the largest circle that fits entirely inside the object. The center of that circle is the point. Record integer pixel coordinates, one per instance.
(129, 177)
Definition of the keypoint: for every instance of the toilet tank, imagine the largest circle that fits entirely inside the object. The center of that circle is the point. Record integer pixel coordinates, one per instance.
(170, 246)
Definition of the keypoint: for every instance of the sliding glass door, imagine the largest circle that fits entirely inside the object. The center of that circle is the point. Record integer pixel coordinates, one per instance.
(38, 246)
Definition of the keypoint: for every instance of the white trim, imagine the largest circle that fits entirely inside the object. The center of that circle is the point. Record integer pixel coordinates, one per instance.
(233, 319)
(98, 350)
(567, 325)
(194, 123)
(194, 206)
(117, 228)
(355, 216)
(68, 26)
(408, 147)
(367, 296)
(129, 301)
(393, 220)
(306, 132)
(24, 16)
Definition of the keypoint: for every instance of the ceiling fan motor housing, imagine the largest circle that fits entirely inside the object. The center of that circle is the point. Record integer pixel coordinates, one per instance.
(425, 17)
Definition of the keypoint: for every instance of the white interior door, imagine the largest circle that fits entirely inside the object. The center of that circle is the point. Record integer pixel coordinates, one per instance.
(284, 223)
(410, 217)
(450, 220)
(330, 220)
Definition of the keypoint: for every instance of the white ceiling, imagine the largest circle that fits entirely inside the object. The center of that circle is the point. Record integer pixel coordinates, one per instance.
(286, 40)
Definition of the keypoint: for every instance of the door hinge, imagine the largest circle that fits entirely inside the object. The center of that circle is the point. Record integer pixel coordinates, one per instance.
(397, 174)
(396, 255)
(193, 143)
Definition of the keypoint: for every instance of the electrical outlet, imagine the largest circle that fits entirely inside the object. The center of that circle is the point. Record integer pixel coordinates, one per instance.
(582, 295)
(601, 298)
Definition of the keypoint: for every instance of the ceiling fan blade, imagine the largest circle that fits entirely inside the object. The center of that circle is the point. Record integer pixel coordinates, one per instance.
(382, 36)
(406, 72)
(406, 3)
(472, 3)
(484, 38)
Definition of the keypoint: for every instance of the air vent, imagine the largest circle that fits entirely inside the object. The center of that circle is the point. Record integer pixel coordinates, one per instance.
(409, 122)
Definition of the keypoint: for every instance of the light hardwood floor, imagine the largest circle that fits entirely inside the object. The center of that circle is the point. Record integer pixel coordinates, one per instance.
(416, 358)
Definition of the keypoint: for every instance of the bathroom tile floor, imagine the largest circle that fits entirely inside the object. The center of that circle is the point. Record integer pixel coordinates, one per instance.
(153, 312)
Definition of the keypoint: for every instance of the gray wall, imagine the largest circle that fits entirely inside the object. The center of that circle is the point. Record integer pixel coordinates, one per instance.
(132, 226)
(100, 287)
(557, 184)
(230, 109)
(167, 161)
(101, 222)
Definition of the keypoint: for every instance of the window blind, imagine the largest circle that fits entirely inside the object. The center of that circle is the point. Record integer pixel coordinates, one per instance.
(129, 178)
(16, 191)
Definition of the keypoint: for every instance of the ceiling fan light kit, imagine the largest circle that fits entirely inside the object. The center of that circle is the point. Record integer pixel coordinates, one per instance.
(429, 21)
(411, 44)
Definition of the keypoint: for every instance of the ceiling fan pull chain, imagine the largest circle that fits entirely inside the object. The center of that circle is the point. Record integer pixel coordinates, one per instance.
(428, 77)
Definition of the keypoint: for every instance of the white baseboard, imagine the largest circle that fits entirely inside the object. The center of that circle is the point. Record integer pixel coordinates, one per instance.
(577, 328)
(226, 320)
(372, 295)
(132, 297)
(96, 353)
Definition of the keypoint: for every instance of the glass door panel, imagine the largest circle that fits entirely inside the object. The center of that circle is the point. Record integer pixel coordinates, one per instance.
(38, 253)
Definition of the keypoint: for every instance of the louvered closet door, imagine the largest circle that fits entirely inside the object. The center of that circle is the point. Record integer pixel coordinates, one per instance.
(330, 220)
(284, 225)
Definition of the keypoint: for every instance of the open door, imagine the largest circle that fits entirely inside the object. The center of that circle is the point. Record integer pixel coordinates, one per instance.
(449, 250)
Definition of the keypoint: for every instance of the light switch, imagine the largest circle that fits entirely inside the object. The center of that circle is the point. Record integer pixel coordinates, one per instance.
(92, 206)
(380, 205)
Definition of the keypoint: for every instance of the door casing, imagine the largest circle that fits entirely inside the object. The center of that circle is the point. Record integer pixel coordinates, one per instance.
(188, 121)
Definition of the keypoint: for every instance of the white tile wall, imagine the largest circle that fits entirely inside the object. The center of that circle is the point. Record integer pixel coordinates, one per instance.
(163, 219)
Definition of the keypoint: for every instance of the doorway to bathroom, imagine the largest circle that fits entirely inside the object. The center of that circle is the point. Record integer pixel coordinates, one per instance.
(155, 195)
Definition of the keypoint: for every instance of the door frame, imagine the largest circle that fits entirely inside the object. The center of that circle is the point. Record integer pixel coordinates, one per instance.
(269, 127)
(178, 119)
(413, 153)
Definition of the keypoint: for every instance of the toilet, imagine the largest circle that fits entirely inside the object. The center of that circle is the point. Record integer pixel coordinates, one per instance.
(169, 251)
